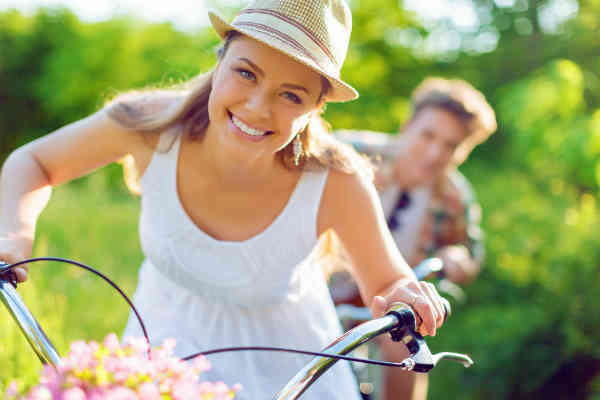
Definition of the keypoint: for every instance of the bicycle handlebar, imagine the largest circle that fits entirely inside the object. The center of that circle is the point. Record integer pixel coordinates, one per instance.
(400, 322)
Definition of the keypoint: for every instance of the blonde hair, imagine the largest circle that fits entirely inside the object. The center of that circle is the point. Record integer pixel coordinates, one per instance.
(462, 100)
(185, 107)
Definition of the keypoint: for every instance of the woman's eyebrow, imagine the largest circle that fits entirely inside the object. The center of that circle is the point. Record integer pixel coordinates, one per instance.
(256, 67)
(294, 86)
(262, 73)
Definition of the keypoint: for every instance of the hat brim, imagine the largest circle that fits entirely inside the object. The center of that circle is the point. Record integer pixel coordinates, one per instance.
(340, 91)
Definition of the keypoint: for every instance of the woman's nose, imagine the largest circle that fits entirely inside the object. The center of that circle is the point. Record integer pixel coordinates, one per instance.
(259, 104)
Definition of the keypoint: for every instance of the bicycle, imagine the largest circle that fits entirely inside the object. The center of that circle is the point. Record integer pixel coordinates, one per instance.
(399, 321)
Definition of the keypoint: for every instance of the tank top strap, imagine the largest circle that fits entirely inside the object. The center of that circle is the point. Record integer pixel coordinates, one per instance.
(164, 160)
(307, 200)
(167, 139)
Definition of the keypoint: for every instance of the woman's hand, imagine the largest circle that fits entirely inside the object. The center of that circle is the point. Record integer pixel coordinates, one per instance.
(14, 248)
(421, 296)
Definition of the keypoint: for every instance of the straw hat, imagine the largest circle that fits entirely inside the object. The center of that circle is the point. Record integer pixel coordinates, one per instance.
(313, 32)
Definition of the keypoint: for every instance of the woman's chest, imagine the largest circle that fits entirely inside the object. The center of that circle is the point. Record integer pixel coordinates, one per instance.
(230, 213)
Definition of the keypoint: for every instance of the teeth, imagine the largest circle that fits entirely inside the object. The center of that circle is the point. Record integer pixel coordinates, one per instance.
(245, 128)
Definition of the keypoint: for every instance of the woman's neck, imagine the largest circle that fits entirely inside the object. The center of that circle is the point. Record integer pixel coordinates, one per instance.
(230, 167)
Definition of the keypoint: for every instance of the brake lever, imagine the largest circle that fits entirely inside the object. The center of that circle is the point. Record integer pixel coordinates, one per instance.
(421, 359)
(463, 359)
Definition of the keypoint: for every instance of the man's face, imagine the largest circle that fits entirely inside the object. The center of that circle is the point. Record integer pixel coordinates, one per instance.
(429, 142)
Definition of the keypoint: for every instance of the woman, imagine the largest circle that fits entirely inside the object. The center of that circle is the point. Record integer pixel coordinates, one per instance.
(237, 181)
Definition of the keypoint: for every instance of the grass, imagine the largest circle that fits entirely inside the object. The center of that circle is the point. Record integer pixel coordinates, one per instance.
(89, 223)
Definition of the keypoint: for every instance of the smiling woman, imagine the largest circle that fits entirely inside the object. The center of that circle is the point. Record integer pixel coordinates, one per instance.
(238, 179)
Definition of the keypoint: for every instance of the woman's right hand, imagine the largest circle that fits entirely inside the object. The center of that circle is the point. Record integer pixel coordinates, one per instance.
(14, 248)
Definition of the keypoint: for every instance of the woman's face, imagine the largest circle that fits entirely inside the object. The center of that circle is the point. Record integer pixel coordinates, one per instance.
(429, 142)
(260, 98)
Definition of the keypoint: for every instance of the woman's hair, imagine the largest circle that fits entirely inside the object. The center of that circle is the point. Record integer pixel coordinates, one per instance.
(462, 100)
(185, 107)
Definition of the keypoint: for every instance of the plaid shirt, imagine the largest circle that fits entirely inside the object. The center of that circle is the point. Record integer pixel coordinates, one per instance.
(452, 215)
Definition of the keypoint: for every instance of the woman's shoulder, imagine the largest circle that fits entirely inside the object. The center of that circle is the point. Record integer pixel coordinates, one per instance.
(145, 111)
(346, 194)
(342, 183)
(140, 106)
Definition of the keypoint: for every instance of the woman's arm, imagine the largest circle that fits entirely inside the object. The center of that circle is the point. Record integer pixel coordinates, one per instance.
(351, 207)
(30, 171)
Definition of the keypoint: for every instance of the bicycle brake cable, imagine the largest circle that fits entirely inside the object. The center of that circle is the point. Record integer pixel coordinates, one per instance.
(287, 350)
(9, 267)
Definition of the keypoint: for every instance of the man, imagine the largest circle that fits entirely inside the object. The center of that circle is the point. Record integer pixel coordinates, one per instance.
(429, 206)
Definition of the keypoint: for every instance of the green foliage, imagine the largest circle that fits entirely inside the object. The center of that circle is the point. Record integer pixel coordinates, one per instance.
(56, 70)
(94, 222)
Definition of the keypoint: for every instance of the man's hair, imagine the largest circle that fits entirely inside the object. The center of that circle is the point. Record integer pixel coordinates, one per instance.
(462, 100)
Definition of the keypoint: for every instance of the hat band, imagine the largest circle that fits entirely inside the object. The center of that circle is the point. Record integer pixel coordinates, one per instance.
(278, 26)
(295, 23)
(274, 33)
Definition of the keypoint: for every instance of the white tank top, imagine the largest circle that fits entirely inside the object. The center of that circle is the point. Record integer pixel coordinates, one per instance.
(265, 291)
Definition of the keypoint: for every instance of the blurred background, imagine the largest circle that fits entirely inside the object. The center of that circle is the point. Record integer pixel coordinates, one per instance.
(531, 321)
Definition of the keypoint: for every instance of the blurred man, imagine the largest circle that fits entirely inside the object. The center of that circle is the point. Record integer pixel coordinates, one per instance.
(429, 206)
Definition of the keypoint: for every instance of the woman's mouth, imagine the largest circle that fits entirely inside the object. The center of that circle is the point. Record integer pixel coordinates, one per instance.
(248, 130)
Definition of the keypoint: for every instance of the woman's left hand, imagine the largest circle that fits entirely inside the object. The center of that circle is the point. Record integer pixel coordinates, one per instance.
(421, 296)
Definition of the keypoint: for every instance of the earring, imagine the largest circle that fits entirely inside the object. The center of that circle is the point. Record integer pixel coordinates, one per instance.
(297, 149)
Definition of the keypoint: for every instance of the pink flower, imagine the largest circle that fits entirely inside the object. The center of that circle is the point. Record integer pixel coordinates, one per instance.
(75, 393)
(148, 391)
(12, 390)
(201, 364)
(109, 371)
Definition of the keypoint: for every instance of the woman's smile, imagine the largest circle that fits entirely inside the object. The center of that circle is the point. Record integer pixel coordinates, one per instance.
(247, 131)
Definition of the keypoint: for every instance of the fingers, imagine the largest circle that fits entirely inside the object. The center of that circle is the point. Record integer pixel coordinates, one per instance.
(425, 301)
(379, 306)
(21, 273)
(423, 306)
(436, 302)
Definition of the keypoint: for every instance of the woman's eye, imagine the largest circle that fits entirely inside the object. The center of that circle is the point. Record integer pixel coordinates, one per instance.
(244, 73)
(292, 97)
